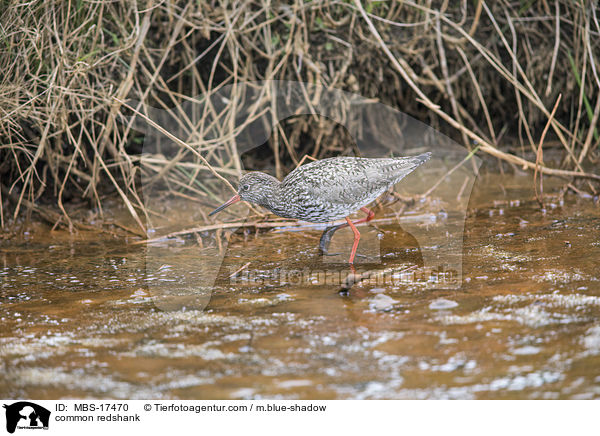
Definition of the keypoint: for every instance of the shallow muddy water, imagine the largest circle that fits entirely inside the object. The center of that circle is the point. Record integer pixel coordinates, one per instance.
(92, 317)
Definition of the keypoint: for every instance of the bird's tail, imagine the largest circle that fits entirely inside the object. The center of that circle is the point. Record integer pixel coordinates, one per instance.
(406, 165)
(422, 158)
(413, 162)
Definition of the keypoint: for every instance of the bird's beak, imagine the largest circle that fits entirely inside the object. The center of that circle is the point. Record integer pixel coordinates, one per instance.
(229, 202)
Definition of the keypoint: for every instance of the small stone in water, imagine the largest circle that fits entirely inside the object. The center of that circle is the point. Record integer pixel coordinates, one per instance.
(442, 304)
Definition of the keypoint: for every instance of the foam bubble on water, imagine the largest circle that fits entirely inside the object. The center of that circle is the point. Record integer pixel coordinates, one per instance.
(591, 340)
(531, 316)
(526, 350)
(288, 384)
(442, 304)
(381, 302)
(554, 299)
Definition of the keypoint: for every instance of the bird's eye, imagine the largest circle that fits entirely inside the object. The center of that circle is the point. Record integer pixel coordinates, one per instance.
(245, 187)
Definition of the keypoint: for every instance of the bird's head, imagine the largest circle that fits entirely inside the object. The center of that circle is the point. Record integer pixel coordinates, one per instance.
(254, 187)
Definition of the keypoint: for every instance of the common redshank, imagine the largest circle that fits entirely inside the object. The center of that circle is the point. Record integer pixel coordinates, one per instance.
(326, 190)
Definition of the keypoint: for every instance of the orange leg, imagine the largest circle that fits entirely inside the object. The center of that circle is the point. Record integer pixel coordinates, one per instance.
(328, 233)
(370, 215)
(356, 239)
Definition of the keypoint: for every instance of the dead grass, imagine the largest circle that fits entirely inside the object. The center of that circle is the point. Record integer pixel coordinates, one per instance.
(486, 73)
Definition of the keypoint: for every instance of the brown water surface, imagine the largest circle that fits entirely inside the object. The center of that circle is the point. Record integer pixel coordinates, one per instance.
(80, 317)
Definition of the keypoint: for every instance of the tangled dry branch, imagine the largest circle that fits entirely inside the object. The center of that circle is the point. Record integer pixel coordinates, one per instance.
(486, 73)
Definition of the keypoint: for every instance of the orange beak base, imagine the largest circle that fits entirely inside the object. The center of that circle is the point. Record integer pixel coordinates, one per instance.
(232, 200)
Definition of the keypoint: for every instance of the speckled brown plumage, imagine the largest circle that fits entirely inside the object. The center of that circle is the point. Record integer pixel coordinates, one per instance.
(327, 189)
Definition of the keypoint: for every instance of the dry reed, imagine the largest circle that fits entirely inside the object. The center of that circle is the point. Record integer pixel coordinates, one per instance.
(486, 73)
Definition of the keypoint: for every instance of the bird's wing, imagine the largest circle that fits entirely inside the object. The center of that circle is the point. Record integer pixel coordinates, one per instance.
(349, 180)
